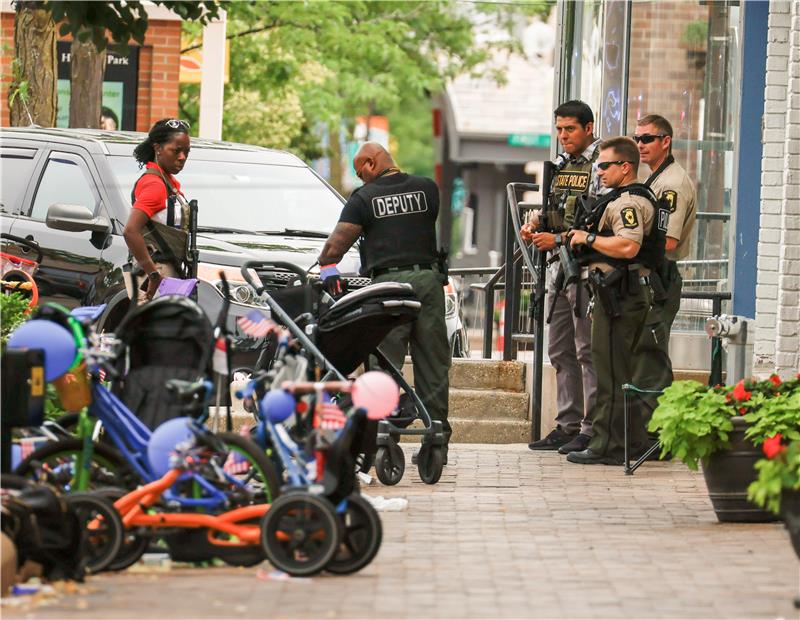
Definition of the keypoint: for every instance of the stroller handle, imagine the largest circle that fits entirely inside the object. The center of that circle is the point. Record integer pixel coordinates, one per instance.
(259, 264)
(309, 387)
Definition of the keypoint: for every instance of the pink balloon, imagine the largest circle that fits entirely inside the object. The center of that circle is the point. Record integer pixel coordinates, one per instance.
(377, 393)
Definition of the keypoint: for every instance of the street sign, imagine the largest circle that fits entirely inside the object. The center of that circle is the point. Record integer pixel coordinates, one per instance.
(535, 140)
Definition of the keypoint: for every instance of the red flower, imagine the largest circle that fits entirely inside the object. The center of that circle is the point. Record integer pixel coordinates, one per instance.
(742, 410)
(739, 393)
(772, 446)
(776, 380)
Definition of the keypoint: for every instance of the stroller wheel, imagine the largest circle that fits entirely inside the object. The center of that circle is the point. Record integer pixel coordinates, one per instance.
(362, 534)
(390, 464)
(103, 532)
(430, 463)
(300, 533)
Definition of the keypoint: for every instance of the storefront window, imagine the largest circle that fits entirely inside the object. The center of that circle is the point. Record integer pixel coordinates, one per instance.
(683, 65)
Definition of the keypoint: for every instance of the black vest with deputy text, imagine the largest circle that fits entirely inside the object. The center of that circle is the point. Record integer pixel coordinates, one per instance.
(651, 253)
(399, 229)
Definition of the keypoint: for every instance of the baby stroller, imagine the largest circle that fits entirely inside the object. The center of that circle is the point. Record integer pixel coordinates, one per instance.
(169, 337)
(340, 335)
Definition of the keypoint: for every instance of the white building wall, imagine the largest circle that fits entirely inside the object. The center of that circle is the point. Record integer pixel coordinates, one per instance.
(777, 344)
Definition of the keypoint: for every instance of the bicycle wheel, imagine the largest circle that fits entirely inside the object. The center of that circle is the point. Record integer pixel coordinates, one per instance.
(362, 534)
(252, 468)
(56, 464)
(102, 527)
(300, 533)
(134, 545)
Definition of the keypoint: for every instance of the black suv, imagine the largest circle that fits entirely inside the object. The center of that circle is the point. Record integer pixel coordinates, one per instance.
(69, 191)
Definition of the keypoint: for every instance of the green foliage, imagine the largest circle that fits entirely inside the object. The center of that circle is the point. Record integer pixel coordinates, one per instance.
(13, 312)
(776, 415)
(124, 20)
(695, 34)
(781, 473)
(693, 421)
(410, 125)
(339, 60)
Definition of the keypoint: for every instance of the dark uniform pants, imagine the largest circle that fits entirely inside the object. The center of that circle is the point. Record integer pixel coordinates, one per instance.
(619, 347)
(427, 338)
(674, 285)
(569, 347)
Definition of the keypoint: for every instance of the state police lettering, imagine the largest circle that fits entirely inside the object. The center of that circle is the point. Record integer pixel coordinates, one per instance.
(399, 204)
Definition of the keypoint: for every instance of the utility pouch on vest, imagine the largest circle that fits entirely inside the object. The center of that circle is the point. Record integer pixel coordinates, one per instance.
(569, 264)
(166, 244)
(607, 286)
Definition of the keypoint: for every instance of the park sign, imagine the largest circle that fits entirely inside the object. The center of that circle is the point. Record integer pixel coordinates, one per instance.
(534, 140)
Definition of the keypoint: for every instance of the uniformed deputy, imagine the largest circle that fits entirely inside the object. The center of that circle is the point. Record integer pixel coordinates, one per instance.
(569, 339)
(669, 182)
(622, 236)
(395, 214)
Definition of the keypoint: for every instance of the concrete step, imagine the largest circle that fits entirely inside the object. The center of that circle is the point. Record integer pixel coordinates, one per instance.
(488, 404)
(480, 374)
(494, 430)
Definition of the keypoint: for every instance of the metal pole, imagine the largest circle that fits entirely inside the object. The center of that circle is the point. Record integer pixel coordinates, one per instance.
(508, 310)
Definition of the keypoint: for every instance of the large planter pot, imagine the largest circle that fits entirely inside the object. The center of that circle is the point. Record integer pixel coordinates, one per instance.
(790, 512)
(728, 473)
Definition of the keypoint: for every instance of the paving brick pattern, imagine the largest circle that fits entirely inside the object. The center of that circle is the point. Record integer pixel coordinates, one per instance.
(507, 533)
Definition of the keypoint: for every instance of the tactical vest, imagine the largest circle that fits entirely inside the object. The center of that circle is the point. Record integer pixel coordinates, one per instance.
(651, 252)
(571, 180)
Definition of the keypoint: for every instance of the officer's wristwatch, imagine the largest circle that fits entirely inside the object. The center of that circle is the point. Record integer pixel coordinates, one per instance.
(559, 239)
(154, 275)
(590, 239)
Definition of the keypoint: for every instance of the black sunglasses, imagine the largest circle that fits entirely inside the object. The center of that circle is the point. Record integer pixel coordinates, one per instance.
(605, 165)
(647, 138)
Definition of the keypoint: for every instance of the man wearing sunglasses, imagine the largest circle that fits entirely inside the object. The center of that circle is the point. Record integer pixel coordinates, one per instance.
(569, 345)
(622, 238)
(670, 183)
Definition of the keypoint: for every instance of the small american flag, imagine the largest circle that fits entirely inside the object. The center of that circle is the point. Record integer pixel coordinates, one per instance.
(330, 417)
(255, 324)
(236, 464)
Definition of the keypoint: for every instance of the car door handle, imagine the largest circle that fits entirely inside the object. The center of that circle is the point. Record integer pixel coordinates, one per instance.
(27, 243)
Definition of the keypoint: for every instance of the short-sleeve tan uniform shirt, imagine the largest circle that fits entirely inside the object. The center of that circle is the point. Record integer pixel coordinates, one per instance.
(630, 217)
(675, 186)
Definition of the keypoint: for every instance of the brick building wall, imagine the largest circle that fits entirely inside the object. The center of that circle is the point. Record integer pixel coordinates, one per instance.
(159, 68)
(777, 343)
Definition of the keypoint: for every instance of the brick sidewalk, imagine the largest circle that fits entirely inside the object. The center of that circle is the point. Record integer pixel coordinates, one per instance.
(498, 537)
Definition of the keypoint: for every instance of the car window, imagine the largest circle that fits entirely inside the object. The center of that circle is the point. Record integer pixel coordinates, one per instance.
(16, 170)
(64, 181)
(248, 196)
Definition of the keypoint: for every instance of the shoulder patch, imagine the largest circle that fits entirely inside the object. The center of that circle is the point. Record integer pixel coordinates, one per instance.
(671, 198)
(630, 219)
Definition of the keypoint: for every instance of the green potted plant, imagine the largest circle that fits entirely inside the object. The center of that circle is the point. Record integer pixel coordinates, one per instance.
(720, 427)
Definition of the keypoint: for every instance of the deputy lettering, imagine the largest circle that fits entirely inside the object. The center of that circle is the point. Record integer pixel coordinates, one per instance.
(399, 204)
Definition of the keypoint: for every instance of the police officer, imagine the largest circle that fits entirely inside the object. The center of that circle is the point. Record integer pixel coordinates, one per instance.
(569, 341)
(621, 238)
(670, 183)
(395, 214)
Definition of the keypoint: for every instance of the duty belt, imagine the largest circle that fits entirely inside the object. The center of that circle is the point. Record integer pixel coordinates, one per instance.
(416, 267)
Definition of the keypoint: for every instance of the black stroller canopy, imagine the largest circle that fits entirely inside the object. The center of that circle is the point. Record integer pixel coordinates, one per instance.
(353, 327)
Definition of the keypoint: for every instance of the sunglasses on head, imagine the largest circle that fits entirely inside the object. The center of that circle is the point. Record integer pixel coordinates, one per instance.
(605, 165)
(174, 123)
(647, 138)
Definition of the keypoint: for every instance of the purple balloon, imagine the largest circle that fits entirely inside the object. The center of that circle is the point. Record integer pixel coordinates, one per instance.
(56, 342)
(163, 442)
(278, 405)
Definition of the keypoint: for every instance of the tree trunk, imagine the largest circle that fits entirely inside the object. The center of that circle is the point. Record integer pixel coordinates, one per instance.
(88, 66)
(337, 173)
(33, 88)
